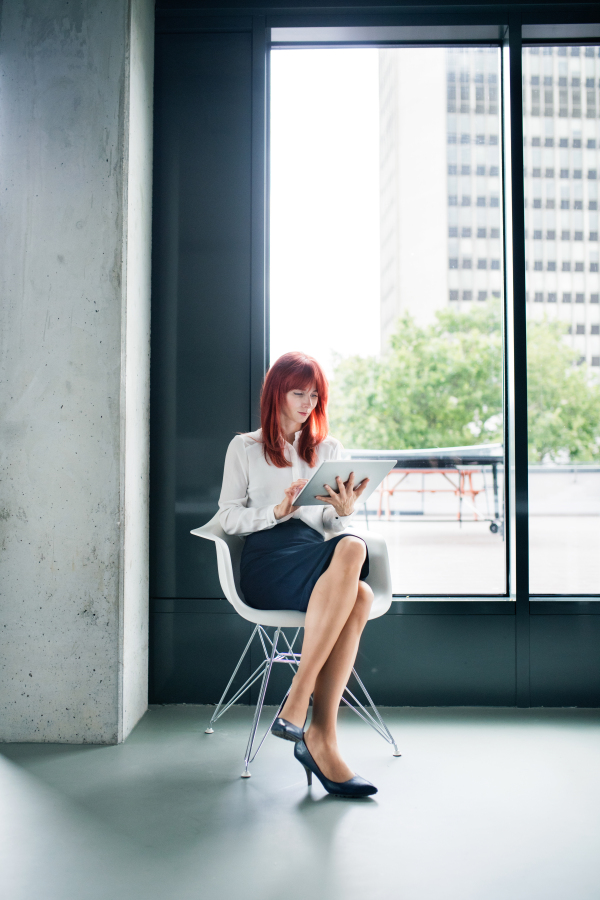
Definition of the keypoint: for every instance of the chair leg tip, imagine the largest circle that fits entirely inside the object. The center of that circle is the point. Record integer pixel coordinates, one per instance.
(209, 730)
(246, 774)
(396, 752)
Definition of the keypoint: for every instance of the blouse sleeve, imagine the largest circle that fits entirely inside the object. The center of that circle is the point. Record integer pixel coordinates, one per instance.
(331, 521)
(234, 516)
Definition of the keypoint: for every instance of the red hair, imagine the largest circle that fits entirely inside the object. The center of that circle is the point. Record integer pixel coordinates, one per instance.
(293, 371)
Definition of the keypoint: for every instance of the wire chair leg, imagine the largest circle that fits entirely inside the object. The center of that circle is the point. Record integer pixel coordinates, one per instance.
(215, 715)
(259, 705)
(377, 724)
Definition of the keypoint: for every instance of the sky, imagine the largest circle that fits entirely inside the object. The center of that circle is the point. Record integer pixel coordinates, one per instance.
(324, 251)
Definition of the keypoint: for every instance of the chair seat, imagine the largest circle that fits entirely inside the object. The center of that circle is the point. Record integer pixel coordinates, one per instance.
(229, 552)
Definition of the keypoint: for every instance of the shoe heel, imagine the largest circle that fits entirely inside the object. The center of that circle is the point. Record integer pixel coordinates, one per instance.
(308, 776)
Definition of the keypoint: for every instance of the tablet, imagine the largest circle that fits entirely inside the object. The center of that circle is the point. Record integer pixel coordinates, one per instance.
(373, 469)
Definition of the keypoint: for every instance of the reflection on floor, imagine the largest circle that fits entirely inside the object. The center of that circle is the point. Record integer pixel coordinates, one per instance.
(485, 804)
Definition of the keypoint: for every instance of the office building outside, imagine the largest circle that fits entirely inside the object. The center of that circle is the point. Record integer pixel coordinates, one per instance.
(562, 164)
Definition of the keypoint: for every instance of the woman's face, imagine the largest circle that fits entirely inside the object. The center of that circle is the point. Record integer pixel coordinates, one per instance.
(299, 403)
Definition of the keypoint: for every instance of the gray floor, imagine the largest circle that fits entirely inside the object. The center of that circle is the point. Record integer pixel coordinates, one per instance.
(483, 804)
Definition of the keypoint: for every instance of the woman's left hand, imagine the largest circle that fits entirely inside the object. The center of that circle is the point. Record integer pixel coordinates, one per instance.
(343, 503)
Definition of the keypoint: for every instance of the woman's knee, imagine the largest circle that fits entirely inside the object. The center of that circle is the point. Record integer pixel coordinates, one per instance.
(351, 550)
(364, 596)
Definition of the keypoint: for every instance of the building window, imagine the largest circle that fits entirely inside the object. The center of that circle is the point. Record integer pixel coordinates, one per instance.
(550, 235)
(565, 236)
(538, 266)
(481, 201)
(482, 295)
(551, 267)
(592, 173)
(495, 264)
(594, 267)
(564, 204)
(494, 201)
(578, 235)
(579, 298)
(453, 263)
(595, 329)
(566, 266)
(452, 231)
(551, 297)
(494, 232)
(467, 295)
(537, 235)
(579, 267)
(482, 264)
(481, 232)
(466, 233)
(466, 200)
(593, 235)
(454, 295)
(580, 329)
(594, 298)
(537, 203)
(596, 360)
(466, 263)
(564, 173)
(539, 297)
(566, 298)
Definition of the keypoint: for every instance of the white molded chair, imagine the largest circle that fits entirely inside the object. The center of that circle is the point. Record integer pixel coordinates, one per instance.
(229, 552)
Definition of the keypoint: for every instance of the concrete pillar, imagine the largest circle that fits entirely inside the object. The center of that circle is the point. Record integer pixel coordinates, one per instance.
(75, 171)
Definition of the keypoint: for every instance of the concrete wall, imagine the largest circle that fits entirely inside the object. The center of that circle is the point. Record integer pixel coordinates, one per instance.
(75, 172)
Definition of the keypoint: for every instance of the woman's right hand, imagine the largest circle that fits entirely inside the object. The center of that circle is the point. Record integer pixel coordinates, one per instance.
(286, 507)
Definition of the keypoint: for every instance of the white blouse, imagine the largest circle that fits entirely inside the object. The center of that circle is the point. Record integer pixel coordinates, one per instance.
(252, 487)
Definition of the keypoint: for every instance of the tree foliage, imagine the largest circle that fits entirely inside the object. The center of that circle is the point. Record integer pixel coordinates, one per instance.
(441, 386)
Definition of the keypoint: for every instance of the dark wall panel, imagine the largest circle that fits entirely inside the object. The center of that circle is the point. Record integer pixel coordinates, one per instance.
(200, 294)
(565, 660)
(403, 660)
(193, 655)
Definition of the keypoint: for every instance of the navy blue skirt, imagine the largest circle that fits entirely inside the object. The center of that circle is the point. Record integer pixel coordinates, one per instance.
(280, 566)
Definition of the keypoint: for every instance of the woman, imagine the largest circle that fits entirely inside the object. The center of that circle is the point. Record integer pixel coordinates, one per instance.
(287, 564)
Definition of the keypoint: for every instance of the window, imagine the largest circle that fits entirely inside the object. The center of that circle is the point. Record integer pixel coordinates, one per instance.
(419, 267)
(559, 376)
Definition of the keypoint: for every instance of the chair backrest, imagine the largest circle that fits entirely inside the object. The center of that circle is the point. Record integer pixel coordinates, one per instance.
(229, 553)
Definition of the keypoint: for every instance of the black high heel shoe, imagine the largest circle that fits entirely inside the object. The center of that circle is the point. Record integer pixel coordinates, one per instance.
(281, 728)
(354, 787)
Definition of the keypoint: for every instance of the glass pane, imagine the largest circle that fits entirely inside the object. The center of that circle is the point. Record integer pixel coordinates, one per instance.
(386, 265)
(562, 162)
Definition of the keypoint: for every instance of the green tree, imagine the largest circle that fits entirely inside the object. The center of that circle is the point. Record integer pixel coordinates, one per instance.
(441, 386)
(564, 407)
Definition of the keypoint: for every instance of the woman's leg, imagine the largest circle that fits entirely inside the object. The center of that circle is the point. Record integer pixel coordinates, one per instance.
(331, 603)
(321, 737)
